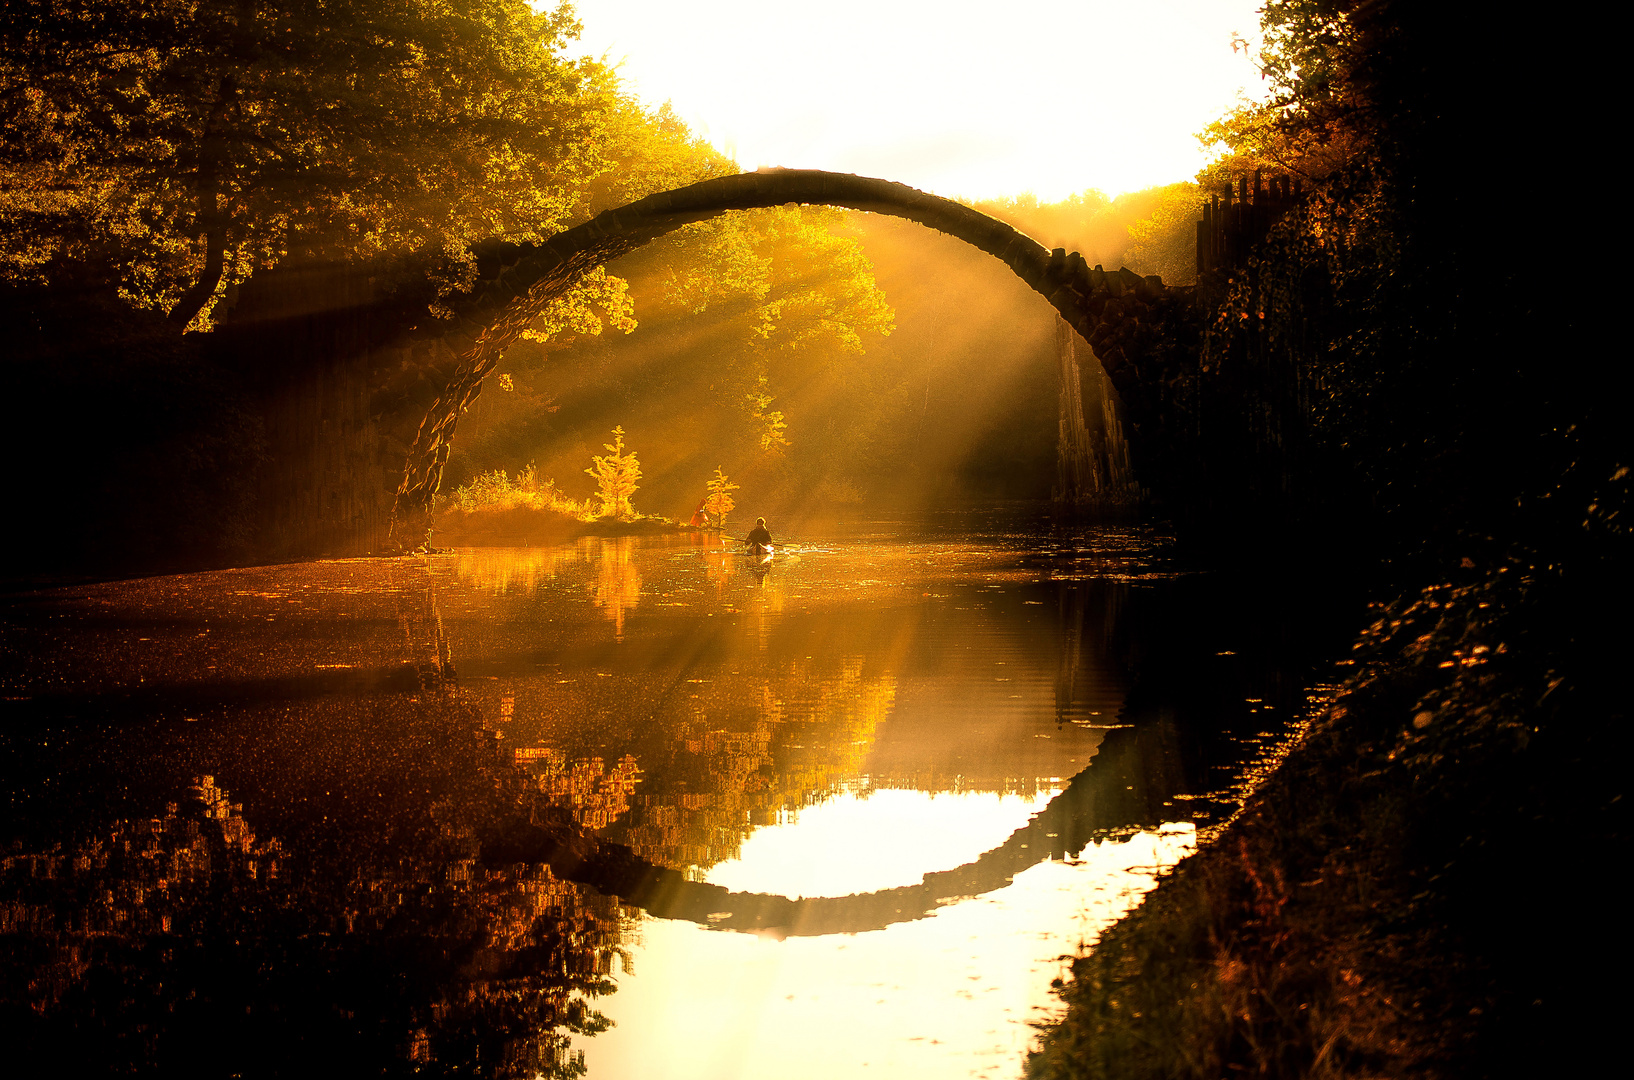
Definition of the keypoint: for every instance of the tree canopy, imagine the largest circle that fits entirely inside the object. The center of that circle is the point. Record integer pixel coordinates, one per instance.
(170, 147)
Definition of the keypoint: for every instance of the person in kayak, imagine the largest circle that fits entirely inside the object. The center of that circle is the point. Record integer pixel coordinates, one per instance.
(759, 540)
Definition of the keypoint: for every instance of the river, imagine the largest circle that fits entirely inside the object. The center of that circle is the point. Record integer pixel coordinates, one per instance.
(641, 807)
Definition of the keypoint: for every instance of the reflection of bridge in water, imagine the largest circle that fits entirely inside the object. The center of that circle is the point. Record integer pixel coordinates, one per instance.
(1129, 786)
(950, 719)
(798, 695)
(417, 849)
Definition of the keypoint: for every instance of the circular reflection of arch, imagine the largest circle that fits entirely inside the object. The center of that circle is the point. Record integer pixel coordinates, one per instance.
(1114, 793)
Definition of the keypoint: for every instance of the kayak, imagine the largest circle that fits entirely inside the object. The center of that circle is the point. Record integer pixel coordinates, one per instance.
(760, 551)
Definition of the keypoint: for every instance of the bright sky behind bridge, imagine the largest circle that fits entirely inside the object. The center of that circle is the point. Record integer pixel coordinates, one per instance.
(978, 101)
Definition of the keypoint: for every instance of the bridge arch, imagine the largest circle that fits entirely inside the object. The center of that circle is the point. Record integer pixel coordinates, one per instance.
(1115, 311)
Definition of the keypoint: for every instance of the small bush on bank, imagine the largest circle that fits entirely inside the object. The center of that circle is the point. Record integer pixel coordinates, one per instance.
(496, 492)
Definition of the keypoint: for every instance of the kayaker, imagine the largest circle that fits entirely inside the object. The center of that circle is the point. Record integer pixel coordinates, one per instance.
(758, 537)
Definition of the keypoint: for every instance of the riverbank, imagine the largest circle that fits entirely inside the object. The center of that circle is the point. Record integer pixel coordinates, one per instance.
(1421, 889)
(527, 527)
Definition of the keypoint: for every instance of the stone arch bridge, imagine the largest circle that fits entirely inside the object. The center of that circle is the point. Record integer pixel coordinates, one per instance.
(1142, 330)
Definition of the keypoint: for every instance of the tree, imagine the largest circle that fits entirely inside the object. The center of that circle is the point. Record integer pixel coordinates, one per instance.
(169, 148)
(616, 476)
(788, 288)
(769, 422)
(1165, 242)
(1152, 231)
(719, 502)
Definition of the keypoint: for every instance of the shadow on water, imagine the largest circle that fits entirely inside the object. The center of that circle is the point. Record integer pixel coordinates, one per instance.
(256, 818)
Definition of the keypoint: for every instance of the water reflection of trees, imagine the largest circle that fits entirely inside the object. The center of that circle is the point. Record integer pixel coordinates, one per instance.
(616, 588)
(618, 581)
(506, 570)
(751, 748)
(381, 932)
(725, 778)
(186, 945)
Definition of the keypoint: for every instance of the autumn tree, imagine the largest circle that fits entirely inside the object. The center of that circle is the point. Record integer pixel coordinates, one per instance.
(719, 502)
(1165, 241)
(171, 148)
(616, 475)
(769, 422)
(1152, 231)
(793, 289)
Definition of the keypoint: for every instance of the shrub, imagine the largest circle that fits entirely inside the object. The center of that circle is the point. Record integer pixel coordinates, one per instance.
(496, 491)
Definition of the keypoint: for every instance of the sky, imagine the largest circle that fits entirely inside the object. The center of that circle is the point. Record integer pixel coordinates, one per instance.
(1050, 97)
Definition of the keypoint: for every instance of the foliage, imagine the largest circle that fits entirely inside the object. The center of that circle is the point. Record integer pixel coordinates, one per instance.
(648, 151)
(1086, 222)
(616, 475)
(794, 291)
(719, 502)
(1150, 231)
(962, 396)
(495, 491)
(1318, 119)
(173, 148)
(799, 281)
(1376, 344)
(1358, 919)
(652, 151)
(1165, 241)
(777, 293)
(574, 313)
(769, 422)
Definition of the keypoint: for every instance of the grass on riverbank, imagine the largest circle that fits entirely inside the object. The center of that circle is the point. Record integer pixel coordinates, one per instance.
(496, 493)
(495, 509)
(1421, 890)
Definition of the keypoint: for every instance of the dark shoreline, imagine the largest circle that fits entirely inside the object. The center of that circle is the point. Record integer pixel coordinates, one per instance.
(1418, 889)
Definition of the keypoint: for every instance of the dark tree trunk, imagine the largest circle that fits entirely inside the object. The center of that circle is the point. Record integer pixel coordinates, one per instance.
(215, 261)
(212, 220)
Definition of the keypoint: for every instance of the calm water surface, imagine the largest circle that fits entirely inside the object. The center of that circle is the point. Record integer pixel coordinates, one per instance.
(637, 807)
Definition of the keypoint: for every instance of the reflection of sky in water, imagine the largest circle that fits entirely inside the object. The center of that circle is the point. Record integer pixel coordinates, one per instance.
(860, 842)
(951, 995)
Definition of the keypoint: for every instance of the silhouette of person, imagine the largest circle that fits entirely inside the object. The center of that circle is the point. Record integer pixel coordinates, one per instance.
(758, 536)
